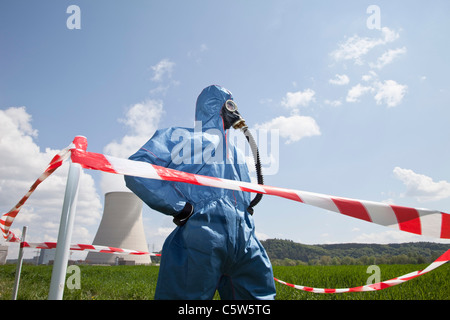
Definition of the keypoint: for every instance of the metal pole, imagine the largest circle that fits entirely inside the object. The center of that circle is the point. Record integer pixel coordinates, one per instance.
(65, 233)
(19, 265)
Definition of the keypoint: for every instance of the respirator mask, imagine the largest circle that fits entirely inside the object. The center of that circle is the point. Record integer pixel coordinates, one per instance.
(232, 118)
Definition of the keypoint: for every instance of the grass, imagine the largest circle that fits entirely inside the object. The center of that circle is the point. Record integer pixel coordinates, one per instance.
(139, 282)
(431, 286)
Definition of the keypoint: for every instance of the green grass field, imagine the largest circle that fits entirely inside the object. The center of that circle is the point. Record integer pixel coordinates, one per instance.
(138, 283)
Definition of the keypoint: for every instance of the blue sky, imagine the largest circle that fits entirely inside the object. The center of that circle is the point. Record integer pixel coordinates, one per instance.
(361, 112)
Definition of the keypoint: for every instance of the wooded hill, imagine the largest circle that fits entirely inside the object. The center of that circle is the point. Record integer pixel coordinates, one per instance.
(287, 252)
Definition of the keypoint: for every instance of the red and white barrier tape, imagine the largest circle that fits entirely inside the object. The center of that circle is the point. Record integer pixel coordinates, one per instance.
(88, 247)
(418, 221)
(424, 222)
(380, 285)
(7, 219)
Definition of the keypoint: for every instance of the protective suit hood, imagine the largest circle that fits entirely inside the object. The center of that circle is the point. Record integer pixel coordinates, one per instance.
(208, 106)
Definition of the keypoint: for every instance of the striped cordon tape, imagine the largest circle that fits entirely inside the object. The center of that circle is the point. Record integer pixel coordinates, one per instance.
(87, 247)
(424, 222)
(380, 285)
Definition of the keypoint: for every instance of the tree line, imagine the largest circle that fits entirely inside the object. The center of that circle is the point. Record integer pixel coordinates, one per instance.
(288, 252)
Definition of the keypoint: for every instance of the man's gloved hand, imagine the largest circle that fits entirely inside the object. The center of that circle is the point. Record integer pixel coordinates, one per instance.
(181, 218)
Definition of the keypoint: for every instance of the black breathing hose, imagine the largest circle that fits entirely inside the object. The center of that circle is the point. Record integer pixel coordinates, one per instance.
(259, 175)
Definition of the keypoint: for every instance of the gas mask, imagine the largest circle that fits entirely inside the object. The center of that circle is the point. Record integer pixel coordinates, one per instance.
(232, 118)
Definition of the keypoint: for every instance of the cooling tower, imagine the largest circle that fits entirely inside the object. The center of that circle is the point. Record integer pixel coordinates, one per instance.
(121, 227)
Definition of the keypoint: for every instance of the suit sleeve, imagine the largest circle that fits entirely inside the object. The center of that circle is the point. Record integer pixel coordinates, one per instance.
(163, 196)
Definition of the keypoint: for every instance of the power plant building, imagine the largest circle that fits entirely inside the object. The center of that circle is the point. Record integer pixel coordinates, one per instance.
(3, 254)
(121, 227)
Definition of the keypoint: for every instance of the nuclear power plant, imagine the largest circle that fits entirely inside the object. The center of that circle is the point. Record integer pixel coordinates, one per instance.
(121, 227)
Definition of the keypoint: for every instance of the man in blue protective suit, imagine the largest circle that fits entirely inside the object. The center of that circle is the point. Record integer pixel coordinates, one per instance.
(214, 246)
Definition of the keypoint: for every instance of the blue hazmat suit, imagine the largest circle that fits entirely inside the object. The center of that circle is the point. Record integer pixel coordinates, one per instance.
(216, 249)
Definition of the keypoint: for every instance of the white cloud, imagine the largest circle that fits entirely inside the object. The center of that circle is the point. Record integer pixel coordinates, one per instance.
(387, 92)
(293, 100)
(333, 103)
(367, 77)
(265, 101)
(141, 120)
(162, 75)
(340, 80)
(292, 128)
(162, 70)
(355, 47)
(164, 231)
(389, 236)
(262, 236)
(388, 57)
(157, 228)
(356, 92)
(21, 162)
(389, 35)
(19, 120)
(197, 54)
(390, 92)
(422, 187)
